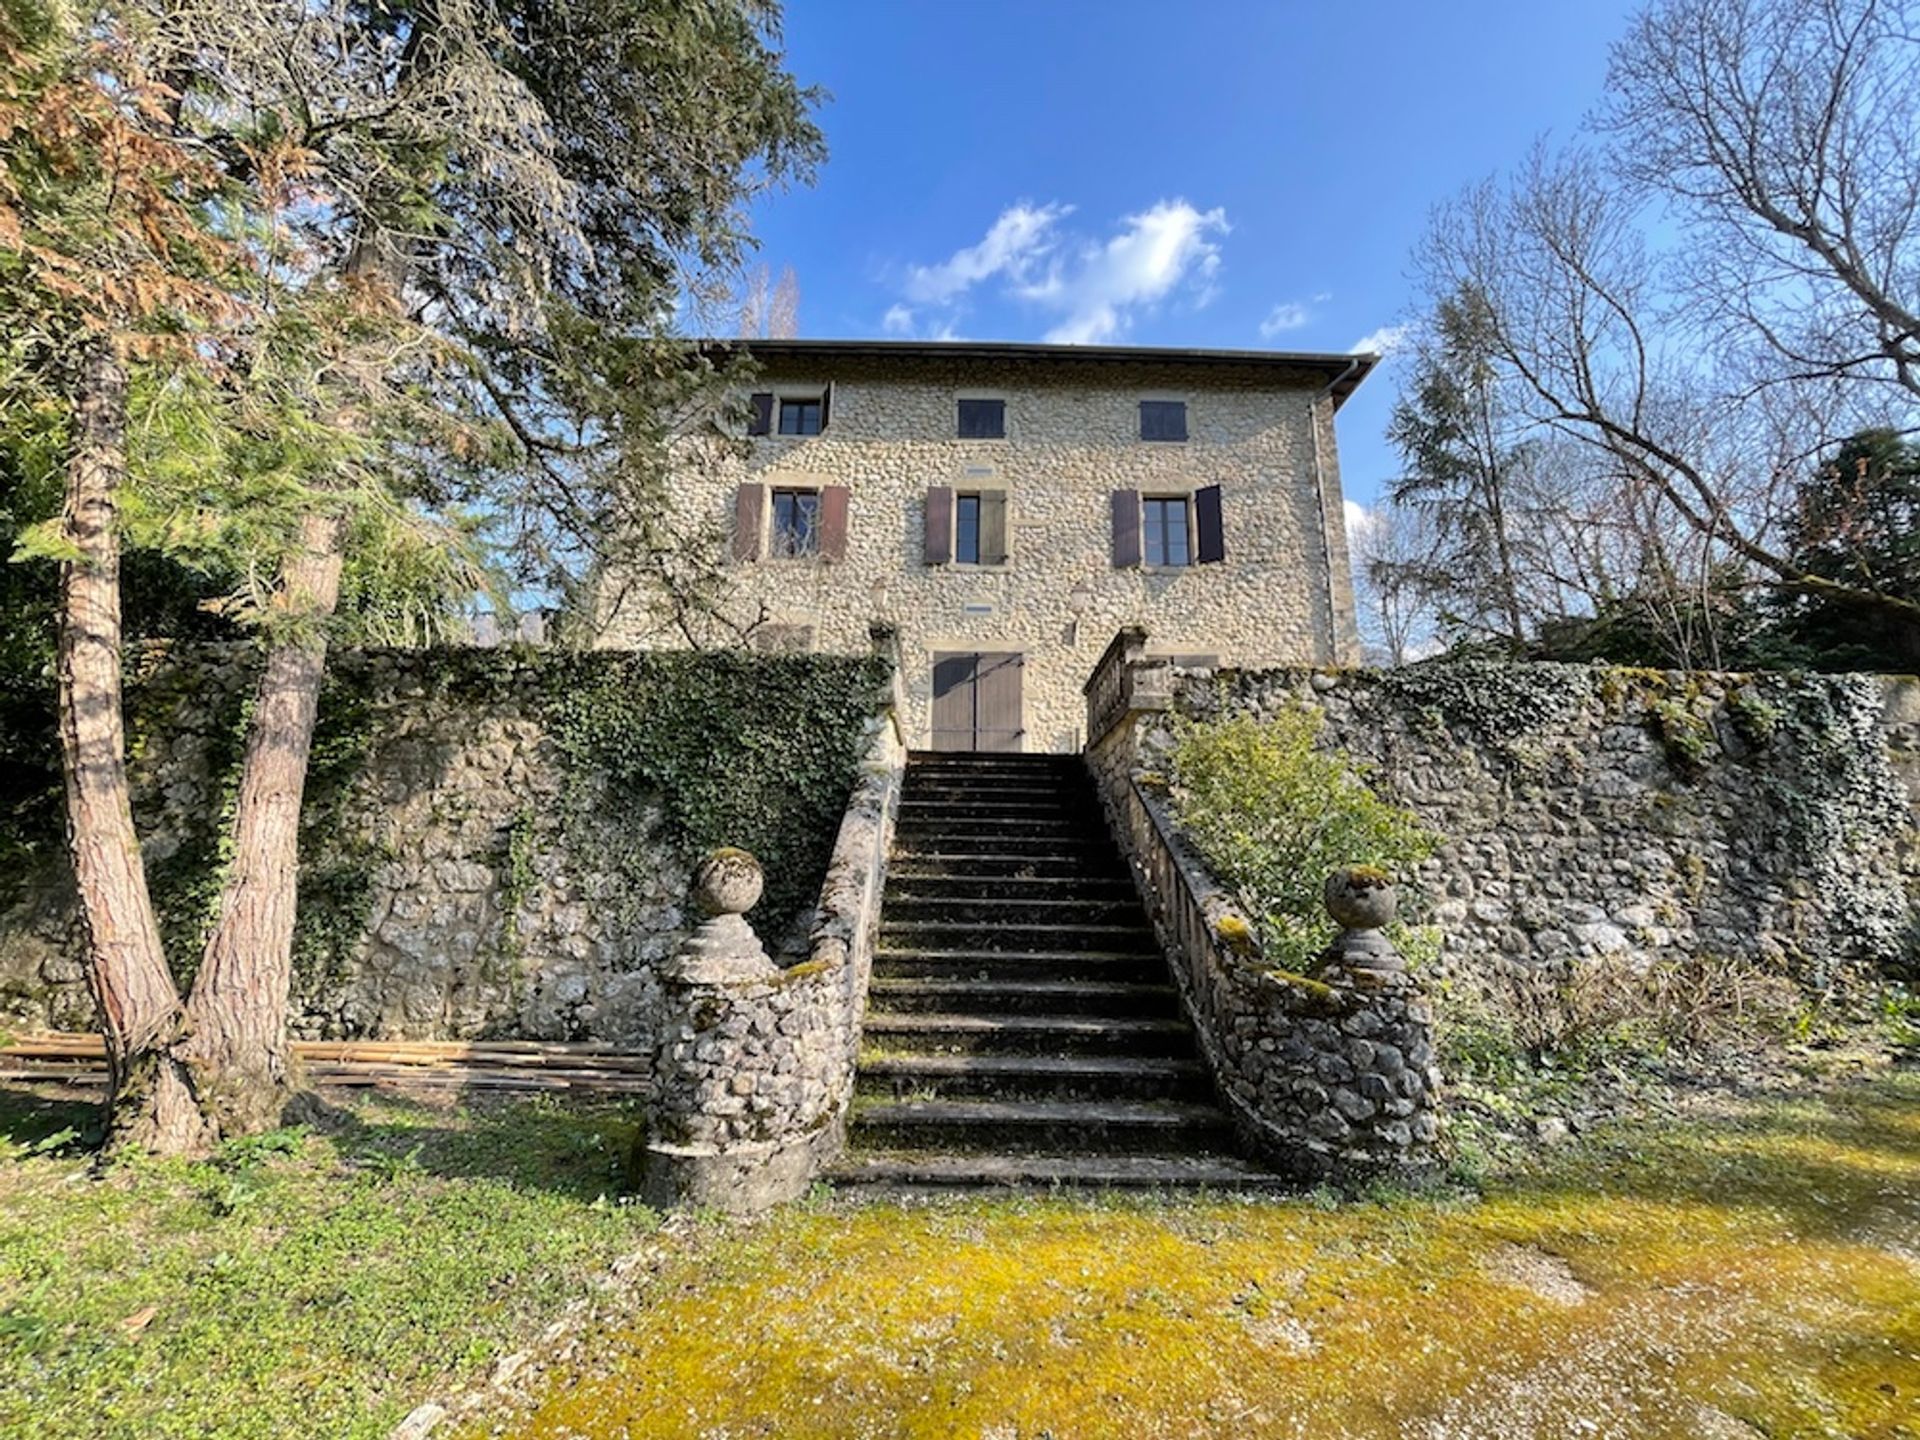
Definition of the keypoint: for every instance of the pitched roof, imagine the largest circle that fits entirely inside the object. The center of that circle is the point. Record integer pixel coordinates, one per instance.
(1341, 373)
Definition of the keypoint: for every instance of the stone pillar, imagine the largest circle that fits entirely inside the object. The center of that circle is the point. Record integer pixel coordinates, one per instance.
(1383, 1090)
(742, 1114)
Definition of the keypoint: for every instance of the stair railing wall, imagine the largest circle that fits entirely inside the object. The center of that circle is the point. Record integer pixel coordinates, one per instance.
(1325, 1078)
(754, 1075)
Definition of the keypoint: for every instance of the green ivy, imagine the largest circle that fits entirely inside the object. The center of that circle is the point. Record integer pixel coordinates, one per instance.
(758, 751)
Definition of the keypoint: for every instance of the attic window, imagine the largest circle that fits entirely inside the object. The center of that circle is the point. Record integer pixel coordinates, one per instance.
(1163, 419)
(800, 417)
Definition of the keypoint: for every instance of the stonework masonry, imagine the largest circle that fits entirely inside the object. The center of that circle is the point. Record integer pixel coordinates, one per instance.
(1635, 817)
(462, 881)
(1263, 433)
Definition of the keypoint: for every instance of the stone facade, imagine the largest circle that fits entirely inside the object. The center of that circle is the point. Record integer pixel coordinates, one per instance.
(1260, 427)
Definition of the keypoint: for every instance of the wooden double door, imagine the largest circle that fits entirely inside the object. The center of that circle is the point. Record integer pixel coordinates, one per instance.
(977, 701)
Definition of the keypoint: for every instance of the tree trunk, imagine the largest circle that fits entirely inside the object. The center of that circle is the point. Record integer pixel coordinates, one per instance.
(238, 1008)
(150, 1098)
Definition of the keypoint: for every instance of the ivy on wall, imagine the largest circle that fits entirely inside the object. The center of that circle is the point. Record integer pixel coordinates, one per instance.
(755, 751)
(724, 749)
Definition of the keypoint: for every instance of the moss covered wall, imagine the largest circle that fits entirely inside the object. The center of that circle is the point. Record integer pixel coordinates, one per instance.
(1635, 814)
(495, 843)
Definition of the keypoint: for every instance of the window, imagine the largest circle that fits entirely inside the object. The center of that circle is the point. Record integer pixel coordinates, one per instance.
(800, 417)
(796, 523)
(1163, 420)
(983, 419)
(966, 529)
(1164, 521)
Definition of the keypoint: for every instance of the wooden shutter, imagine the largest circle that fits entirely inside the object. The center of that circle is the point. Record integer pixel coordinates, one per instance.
(939, 524)
(953, 702)
(833, 522)
(826, 406)
(749, 511)
(1126, 528)
(1210, 538)
(993, 527)
(996, 704)
(761, 421)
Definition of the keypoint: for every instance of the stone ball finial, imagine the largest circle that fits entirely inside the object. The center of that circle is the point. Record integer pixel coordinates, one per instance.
(727, 881)
(1361, 897)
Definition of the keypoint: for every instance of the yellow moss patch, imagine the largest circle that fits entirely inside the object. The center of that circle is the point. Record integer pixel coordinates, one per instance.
(1750, 1269)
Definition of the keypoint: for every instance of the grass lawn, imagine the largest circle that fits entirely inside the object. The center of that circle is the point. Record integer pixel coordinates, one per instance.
(299, 1284)
(1753, 1272)
(1750, 1271)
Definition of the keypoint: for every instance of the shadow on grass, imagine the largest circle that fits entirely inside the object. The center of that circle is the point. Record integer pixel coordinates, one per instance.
(575, 1147)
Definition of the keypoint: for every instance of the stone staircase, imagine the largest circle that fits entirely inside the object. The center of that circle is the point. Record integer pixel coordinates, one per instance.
(1021, 1029)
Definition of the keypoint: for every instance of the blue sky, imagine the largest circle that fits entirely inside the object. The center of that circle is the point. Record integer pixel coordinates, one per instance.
(1207, 173)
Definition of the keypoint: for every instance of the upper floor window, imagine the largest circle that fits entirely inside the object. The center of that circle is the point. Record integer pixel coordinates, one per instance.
(983, 419)
(800, 417)
(1163, 420)
(966, 529)
(1164, 530)
(796, 523)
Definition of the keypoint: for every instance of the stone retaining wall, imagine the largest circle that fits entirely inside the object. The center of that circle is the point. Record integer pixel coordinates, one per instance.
(466, 872)
(1637, 816)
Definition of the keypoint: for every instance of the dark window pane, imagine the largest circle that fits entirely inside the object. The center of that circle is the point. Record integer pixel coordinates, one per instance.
(799, 417)
(983, 419)
(966, 529)
(1164, 523)
(1163, 419)
(796, 522)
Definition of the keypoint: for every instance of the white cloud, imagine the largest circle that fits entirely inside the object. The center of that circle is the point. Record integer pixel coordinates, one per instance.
(1384, 341)
(1287, 315)
(1360, 520)
(1093, 287)
(1021, 236)
(1155, 252)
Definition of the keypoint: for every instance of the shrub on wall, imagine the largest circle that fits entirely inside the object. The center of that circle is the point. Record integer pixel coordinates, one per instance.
(1272, 813)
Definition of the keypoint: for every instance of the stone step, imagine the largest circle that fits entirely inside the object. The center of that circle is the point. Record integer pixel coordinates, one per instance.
(1038, 1126)
(1071, 911)
(923, 884)
(1061, 790)
(980, 935)
(968, 799)
(984, 862)
(973, 996)
(1138, 966)
(1081, 828)
(993, 760)
(931, 1172)
(1077, 850)
(1052, 1077)
(947, 1032)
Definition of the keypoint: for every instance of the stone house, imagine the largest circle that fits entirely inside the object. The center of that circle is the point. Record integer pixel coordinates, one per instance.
(1007, 507)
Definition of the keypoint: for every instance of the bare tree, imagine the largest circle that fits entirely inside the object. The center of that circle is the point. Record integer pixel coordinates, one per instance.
(1399, 613)
(1765, 146)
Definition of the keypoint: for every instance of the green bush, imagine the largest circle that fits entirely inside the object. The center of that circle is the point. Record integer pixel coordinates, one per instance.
(1272, 814)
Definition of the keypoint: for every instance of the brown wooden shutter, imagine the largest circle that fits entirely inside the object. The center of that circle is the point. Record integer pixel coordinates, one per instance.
(996, 704)
(749, 510)
(1126, 527)
(939, 524)
(993, 527)
(1211, 546)
(761, 421)
(833, 522)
